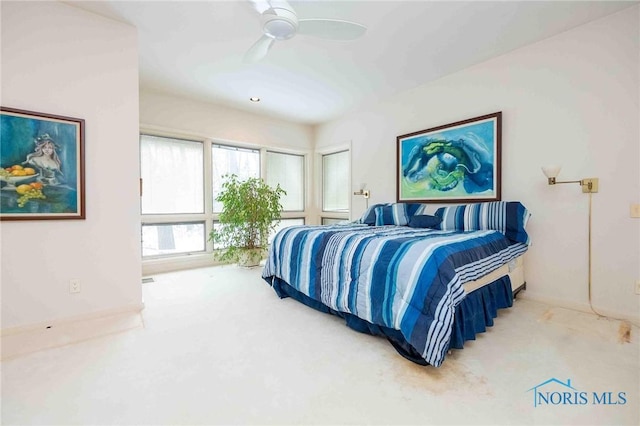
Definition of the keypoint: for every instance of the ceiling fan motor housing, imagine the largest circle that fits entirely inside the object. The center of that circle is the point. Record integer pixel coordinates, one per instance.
(280, 24)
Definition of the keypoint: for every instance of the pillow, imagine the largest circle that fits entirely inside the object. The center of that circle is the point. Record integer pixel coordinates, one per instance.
(395, 214)
(369, 216)
(424, 221)
(508, 217)
(415, 208)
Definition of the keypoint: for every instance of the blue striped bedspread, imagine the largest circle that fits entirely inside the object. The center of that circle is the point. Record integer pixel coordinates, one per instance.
(408, 279)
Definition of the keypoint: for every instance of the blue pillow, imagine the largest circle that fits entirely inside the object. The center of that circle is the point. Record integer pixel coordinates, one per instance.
(424, 221)
(395, 214)
(508, 217)
(414, 208)
(369, 216)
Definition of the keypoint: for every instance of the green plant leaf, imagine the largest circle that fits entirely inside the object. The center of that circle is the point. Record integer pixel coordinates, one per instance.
(251, 210)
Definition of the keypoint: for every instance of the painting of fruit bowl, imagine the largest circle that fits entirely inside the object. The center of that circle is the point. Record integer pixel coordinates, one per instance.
(16, 174)
(13, 180)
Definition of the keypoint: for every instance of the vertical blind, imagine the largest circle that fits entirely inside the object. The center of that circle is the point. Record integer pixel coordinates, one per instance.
(287, 170)
(335, 181)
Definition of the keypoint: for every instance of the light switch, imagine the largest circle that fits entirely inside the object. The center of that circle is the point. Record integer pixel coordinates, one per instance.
(635, 210)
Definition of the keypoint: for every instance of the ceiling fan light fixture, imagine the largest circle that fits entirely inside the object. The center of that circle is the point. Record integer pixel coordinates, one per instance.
(281, 26)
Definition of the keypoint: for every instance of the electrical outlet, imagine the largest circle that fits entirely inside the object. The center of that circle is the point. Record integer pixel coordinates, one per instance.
(638, 287)
(74, 286)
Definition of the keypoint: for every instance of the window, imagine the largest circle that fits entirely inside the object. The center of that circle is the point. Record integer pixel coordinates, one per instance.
(335, 182)
(173, 238)
(285, 223)
(330, 221)
(172, 201)
(242, 162)
(172, 175)
(287, 170)
(281, 225)
(180, 180)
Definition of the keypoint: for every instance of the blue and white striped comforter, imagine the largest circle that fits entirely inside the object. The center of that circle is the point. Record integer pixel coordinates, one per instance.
(408, 279)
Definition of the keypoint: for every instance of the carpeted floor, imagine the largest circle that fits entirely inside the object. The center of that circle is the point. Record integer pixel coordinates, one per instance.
(218, 347)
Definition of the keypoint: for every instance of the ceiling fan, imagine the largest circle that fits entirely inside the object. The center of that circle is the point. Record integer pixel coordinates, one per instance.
(280, 22)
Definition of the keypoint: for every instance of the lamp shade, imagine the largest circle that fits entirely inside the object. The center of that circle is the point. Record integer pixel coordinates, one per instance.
(551, 171)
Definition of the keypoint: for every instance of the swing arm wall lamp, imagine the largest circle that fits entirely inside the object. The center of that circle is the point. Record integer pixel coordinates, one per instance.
(589, 185)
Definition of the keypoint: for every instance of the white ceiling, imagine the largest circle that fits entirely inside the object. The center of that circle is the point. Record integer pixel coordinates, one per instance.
(195, 49)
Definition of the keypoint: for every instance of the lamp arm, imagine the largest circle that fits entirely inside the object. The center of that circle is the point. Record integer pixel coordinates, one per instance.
(589, 185)
(565, 181)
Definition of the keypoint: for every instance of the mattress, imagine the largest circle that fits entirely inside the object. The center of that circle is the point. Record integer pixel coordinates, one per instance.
(514, 269)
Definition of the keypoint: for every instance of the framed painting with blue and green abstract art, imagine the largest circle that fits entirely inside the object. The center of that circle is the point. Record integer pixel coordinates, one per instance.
(457, 162)
(41, 166)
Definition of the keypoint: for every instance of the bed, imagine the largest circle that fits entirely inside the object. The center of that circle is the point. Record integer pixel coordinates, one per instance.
(427, 283)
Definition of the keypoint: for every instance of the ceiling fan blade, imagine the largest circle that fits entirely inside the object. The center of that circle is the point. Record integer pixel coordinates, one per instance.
(332, 29)
(262, 6)
(259, 49)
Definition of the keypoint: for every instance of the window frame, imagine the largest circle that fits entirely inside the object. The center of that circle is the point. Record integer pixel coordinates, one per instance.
(320, 154)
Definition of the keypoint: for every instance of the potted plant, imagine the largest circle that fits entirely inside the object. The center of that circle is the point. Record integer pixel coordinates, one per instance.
(250, 212)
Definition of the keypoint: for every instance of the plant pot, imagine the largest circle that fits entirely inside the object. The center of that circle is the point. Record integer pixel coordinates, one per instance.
(250, 258)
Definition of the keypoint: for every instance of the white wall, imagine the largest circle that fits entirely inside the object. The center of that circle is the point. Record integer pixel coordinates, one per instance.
(179, 115)
(61, 60)
(572, 99)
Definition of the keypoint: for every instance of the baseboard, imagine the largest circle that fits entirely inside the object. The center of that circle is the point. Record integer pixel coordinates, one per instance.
(18, 341)
(170, 264)
(580, 307)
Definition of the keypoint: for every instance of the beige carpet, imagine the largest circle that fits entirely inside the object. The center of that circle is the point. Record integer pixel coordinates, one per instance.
(219, 347)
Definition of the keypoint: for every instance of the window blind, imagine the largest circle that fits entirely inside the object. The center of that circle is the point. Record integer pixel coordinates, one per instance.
(172, 175)
(335, 181)
(287, 170)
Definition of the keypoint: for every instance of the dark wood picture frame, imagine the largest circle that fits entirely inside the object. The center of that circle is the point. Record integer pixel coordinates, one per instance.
(42, 175)
(452, 163)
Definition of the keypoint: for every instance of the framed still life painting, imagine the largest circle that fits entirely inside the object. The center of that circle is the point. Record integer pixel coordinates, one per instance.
(457, 162)
(41, 166)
